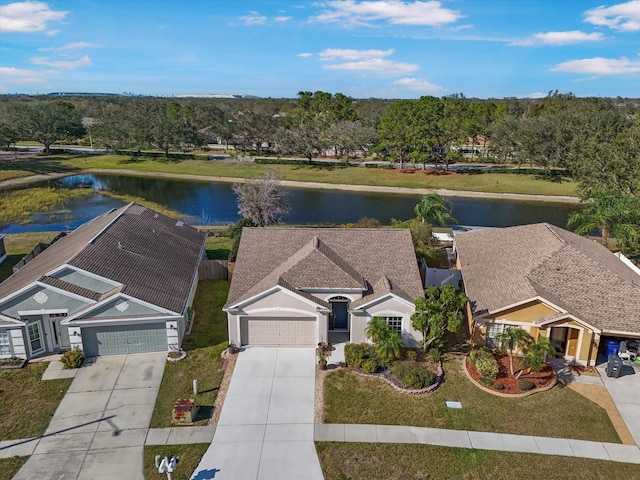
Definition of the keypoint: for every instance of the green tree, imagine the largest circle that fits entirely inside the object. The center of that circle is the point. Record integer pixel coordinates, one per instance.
(511, 339)
(48, 122)
(376, 329)
(387, 343)
(535, 353)
(611, 213)
(435, 210)
(441, 310)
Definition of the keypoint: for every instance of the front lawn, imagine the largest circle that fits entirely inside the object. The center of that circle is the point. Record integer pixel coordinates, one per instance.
(560, 412)
(10, 466)
(204, 345)
(190, 456)
(28, 403)
(354, 461)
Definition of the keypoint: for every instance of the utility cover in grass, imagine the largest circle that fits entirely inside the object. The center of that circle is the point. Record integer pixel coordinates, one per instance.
(454, 404)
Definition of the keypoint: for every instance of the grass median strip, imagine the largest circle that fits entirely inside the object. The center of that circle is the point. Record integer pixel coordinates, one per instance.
(190, 456)
(10, 466)
(560, 412)
(355, 461)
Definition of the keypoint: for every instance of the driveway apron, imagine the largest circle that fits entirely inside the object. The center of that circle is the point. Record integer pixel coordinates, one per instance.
(99, 428)
(625, 392)
(266, 426)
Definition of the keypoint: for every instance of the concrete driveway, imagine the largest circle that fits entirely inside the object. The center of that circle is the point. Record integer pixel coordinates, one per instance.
(266, 426)
(99, 428)
(625, 392)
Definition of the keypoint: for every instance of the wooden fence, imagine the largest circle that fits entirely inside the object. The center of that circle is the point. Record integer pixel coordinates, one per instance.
(213, 270)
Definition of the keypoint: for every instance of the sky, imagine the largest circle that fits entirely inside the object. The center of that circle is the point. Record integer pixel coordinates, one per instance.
(363, 49)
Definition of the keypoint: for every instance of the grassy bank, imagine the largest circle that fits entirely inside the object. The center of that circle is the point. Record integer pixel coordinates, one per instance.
(141, 201)
(18, 205)
(355, 461)
(498, 183)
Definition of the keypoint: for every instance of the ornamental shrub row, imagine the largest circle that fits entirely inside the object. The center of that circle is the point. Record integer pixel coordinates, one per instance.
(485, 362)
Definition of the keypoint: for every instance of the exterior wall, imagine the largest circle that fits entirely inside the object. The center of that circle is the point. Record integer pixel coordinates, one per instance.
(232, 326)
(392, 307)
(525, 313)
(281, 301)
(587, 341)
(75, 337)
(358, 326)
(173, 335)
(54, 301)
(3, 251)
(326, 296)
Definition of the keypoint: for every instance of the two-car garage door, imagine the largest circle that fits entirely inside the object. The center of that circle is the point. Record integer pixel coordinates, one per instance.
(294, 331)
(116, 340)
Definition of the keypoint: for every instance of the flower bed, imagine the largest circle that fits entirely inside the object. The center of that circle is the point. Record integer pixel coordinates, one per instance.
(542, 380)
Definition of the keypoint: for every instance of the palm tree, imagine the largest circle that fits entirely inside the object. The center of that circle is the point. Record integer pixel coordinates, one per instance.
(377, 329)
(513, 338)
(535, 353)
(435, 210)
(612, 213)
(389, 347)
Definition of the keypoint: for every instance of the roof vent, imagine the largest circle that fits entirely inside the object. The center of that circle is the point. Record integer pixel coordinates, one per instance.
(179, 223)
(316, 242)
(120, 246)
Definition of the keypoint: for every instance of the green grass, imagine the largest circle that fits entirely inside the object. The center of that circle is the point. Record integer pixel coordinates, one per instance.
(204, 345)
(28, 403)
(10, 466)
(560, 412)
(501, 183)
(190, 456)
(10, 174)
(18, 245)
(19, 205)
(363, 461)
(218, 247)
(144, 202)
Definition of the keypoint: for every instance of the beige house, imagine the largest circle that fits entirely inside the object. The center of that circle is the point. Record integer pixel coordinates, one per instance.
(303, 286)
(550, 282)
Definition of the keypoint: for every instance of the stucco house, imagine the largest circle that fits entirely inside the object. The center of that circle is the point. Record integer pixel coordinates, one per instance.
(120, 283)
(3, 251)
(300, 286)
(550, 282)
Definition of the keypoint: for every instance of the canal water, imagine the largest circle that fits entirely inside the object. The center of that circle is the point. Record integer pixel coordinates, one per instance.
(217, 203)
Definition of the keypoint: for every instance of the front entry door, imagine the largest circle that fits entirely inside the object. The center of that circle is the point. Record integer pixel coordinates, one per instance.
(572, 342)
(36, 343)
(339, 314)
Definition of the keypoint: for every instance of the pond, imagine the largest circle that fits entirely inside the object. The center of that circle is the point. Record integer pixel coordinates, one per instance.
(217, 203)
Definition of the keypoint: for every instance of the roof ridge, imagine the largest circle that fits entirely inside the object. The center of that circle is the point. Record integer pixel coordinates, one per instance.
(333, 256)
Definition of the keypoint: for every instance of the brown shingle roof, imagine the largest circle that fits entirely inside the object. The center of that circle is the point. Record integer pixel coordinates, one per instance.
(503, 267)
(324, 258)
(150, 254)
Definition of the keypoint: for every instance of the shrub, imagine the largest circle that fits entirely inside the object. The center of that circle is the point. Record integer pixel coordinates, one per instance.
(479, 352)
(370, 365)
(486, 382)
(498, 386)
(487, 366)
(72, 358)
(412, 375)
(411, 355)
(434, 355)
(526, 385)
(355, 354)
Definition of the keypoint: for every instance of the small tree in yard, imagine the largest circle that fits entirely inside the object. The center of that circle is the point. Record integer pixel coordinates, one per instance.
(511, 339)
(440, 311)
(387, 343)
(535, 353)
(262, 201)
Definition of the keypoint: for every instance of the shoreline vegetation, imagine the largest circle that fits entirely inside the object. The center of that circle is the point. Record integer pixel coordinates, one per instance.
(358, 179)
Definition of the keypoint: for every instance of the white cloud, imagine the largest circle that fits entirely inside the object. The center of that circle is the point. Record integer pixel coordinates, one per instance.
(62, 64)
(623, 16)
(305, 55)
(394, 12)
(348, 54)
(69, 46)
(559, 38)
(282, 18)
(376, 65)
(599, 66)
(27, 17)
(535, 95)
(253, 18)
(19, 76)
(419, 85)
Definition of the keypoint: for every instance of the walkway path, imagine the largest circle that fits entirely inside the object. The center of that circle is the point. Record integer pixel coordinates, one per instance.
(480, 440)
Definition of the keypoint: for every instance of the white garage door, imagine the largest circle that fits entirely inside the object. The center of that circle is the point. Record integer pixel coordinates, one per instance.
(298, 331)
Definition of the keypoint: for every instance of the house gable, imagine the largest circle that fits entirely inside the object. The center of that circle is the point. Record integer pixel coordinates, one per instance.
(119, 307)
(40, 298)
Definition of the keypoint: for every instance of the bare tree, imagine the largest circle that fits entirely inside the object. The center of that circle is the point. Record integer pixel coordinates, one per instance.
(262, 201)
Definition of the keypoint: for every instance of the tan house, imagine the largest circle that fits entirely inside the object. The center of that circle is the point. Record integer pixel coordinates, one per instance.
(300, 286)
(550, 282)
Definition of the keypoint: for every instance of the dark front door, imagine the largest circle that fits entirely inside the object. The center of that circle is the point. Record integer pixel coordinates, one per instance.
(339, 315)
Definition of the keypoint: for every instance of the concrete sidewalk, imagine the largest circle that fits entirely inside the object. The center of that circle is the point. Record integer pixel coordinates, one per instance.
(614, 452)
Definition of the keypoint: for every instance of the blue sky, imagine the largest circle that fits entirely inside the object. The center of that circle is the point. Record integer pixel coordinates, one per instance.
(384, 49)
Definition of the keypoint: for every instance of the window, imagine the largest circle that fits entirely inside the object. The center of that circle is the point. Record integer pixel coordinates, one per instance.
(394, 323)
(5, 345)
(495, 329)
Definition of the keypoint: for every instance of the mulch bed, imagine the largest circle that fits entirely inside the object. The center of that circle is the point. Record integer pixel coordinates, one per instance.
(541, 379)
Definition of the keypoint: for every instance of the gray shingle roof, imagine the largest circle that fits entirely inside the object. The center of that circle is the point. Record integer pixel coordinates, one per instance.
(150, 254)
(506, 266)
(347, 258)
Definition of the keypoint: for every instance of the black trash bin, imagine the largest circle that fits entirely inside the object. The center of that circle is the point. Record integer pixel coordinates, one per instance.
(614, 366)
